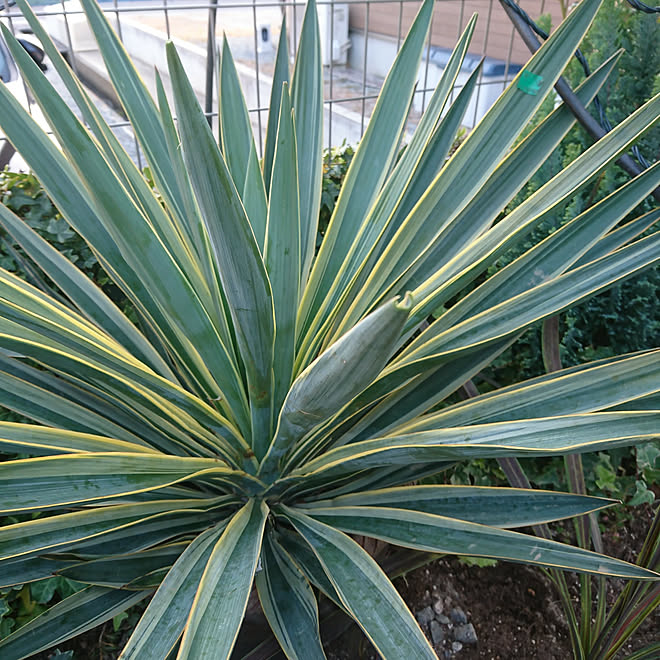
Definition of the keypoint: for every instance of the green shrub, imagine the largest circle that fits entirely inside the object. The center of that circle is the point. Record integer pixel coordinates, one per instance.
(23, 195)
(625, 318)
(278, 397)
(336, 162)
(22, 603)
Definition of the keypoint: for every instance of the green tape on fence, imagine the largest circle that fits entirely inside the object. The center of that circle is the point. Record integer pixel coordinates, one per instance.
(530, 83)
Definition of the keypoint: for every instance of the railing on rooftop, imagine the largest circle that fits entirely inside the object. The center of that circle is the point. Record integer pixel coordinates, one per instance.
(355, 64)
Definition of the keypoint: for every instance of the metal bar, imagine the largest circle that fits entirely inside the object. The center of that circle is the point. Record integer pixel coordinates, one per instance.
(210, 61)
(115, 5)
(507, 65)
(256, 69)
(166, 12)
(456, 87)
(398, 32)
(72, 53)
(207, 5)
(364, 67)
(484, 50)
(331, 72)
(116, 10)
(428, 61)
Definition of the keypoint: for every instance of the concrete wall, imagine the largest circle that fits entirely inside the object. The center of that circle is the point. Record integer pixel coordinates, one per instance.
(492, 36)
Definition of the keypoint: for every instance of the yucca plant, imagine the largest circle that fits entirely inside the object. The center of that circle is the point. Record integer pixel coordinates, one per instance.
(273, 400)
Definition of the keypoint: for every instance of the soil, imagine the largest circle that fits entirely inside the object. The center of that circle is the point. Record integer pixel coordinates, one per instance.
(513, 609)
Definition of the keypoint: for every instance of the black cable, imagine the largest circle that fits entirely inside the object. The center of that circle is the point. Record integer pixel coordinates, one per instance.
(640, 6)
(602, 117)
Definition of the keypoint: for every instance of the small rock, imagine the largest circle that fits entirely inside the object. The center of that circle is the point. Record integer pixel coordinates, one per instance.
(438, 606)
(442, 618)
(465, 633)
(437, 633)
(425, 616)
(458, 616)
(456, 646)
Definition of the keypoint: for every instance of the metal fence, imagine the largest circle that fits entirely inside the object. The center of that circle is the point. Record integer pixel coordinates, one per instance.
(359, 40)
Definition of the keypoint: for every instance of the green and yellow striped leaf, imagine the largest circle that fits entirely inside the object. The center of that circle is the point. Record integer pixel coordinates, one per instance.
(282, 253)
(425, 531)
(59, 532)
(365, 591)
(236, 251)
(82, 477)
(307, 101)
(220, 602)
(165, 618)
(120, 571)
(540, 437)
(238, 148)
(18, 438)
(280, 76)
(288, 603)
(73, 616)
(497, 507)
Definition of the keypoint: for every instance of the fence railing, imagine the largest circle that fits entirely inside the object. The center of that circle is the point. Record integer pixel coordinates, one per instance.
(360, 39)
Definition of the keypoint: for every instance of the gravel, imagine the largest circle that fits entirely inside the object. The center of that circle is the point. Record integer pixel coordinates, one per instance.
(425, 616)
(465, 633)
(449, 634)
(458, 616)
(437, 633)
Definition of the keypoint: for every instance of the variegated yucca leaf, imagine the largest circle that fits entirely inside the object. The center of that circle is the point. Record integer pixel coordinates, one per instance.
(272, 399)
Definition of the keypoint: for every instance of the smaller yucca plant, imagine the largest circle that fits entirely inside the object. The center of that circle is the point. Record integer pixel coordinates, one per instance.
(272, 401)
